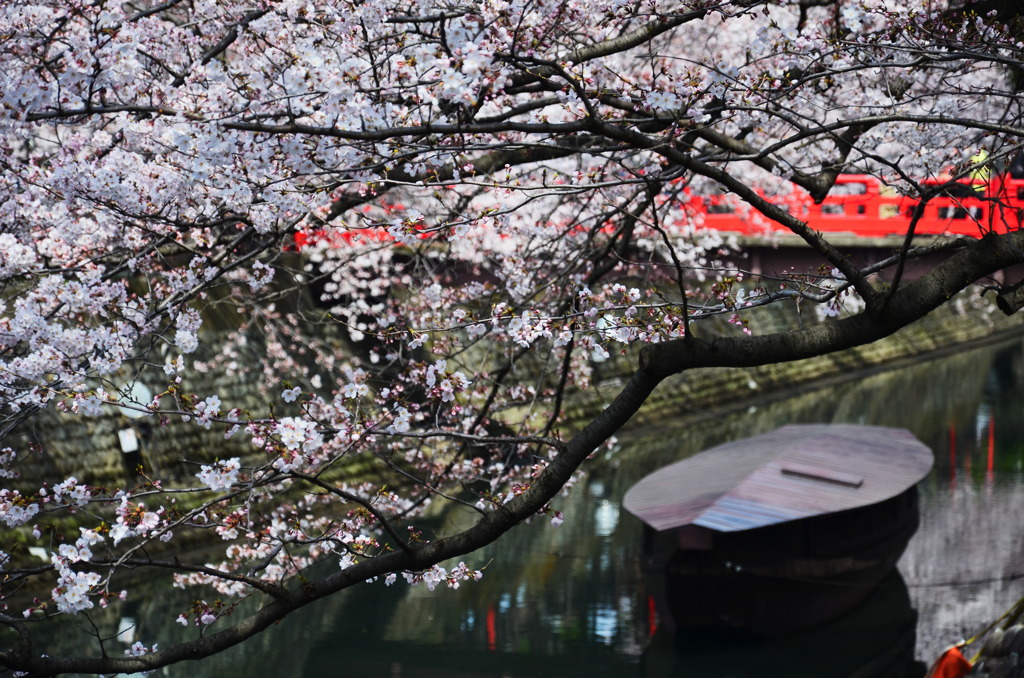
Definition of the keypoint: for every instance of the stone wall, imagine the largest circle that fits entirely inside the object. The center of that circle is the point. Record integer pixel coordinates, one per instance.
(64, 445)
(965, 319)
(89, 447)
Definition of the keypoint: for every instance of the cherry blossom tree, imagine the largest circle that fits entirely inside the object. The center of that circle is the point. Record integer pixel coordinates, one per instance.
(429, 221)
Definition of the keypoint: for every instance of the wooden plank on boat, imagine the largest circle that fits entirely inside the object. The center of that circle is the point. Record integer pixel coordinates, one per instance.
(791, 473)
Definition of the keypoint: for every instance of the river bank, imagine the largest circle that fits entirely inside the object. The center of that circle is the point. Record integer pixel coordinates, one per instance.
(969, 320)
(90, 448)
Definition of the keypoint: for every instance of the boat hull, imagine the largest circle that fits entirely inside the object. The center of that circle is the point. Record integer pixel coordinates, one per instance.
(782, 579)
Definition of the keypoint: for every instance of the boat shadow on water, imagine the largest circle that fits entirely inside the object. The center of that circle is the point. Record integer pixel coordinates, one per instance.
(874, 640)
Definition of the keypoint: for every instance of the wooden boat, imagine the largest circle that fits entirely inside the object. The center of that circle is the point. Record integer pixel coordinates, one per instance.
(780, 532)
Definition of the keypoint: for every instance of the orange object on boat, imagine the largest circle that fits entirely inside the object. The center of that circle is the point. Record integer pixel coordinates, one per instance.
(952, 664)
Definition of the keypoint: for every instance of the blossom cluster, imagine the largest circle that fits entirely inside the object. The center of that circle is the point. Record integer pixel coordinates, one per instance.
(134, 520)
(222, 475)
(438, 575)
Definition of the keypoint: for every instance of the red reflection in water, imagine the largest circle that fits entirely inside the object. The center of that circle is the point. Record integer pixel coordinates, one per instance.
(492, 635)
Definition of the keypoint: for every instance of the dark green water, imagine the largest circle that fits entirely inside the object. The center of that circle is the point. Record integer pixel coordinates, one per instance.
(571, 601)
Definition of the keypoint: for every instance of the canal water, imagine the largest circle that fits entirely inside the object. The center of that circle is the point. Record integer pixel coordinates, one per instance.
(572, 601)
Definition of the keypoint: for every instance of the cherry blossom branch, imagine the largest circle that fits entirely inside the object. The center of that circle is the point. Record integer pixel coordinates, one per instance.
(553, 443)
(349, 497)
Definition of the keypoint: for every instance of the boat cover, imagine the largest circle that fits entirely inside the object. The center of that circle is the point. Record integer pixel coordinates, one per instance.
(791, 473)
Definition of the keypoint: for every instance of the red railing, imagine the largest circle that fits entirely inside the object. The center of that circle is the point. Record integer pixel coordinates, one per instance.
(858, 204)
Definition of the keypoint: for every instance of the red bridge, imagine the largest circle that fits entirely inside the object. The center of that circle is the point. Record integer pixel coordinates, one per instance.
(859, 216)
(860, 205)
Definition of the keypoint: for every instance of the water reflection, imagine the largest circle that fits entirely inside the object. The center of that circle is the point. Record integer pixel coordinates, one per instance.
(571, 601)
(876, 640)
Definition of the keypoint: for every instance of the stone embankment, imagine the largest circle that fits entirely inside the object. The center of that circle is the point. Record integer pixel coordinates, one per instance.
(91, 449)
(967, 319)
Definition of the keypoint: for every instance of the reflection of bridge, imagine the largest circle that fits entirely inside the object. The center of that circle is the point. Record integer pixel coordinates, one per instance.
(860, 217)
